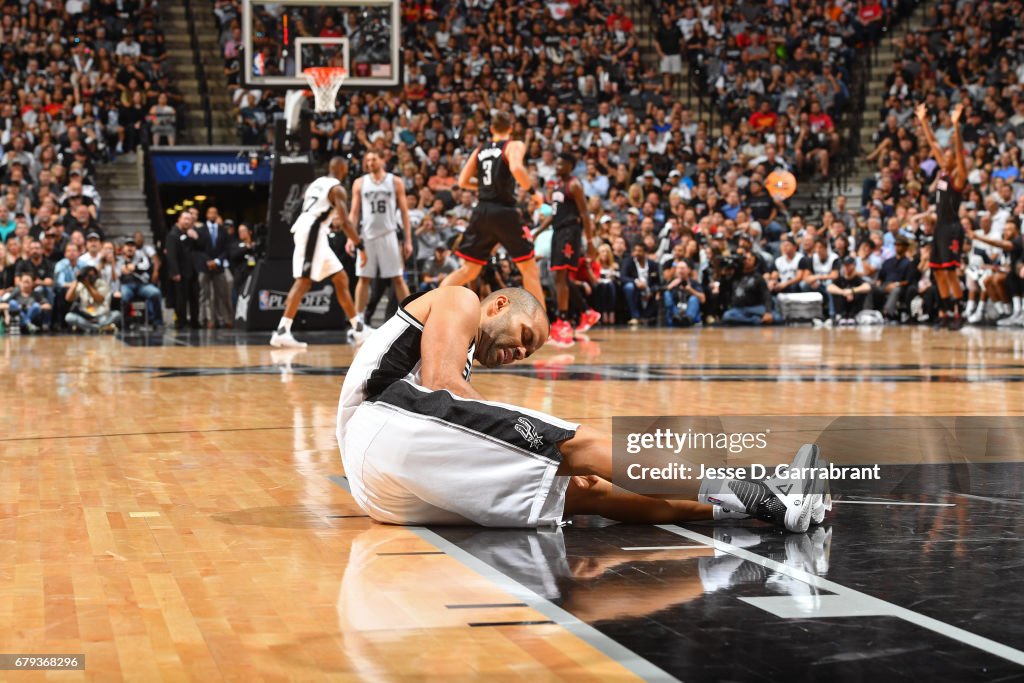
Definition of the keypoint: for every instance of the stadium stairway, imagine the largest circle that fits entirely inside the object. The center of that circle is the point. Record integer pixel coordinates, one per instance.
(198, 68)
(646, 19)
(879, 68)
(123, 210)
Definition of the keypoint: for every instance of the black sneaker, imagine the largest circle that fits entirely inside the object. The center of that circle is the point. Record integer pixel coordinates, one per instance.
(785, 502)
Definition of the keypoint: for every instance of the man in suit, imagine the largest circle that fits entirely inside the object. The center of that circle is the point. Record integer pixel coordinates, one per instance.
(211, 263)
(181, 246)
(641, 285)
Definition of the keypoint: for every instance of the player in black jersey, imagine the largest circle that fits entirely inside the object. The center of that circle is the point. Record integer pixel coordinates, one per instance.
(949, 233)
(572, 238)
(494, 169)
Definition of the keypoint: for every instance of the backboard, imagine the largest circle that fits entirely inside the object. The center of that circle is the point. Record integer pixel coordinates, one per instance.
(282, 38)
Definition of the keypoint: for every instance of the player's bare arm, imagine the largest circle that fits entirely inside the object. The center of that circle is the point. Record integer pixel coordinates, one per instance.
(960, 170)
(545, 223)
(357, 201)
(403, 207)
(339, 200)
(467, 177)
(515, 151)
(922, 116)
(576, 189)
(451, 320)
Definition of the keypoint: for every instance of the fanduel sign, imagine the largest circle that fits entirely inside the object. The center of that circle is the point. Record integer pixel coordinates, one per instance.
(225, 168)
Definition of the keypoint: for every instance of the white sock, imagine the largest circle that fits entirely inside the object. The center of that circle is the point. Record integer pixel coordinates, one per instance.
(359, 317)
(721, 512)
(727, 505)
(285, 324)
(1016, 305)
(971, 305)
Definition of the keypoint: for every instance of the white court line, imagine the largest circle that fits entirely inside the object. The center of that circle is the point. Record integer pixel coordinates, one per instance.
(582, 630)
(868, 602)
(892, 502)
(665, 547)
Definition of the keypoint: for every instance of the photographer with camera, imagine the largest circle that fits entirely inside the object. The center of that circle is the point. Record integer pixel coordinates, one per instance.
(91, 294)
(135, 270)
(748, 296)
(683, 296)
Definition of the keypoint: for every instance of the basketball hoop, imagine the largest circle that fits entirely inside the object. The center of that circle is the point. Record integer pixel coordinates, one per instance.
(325, 81)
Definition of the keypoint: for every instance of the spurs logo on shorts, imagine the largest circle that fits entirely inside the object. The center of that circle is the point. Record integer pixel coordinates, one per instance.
(529, 432)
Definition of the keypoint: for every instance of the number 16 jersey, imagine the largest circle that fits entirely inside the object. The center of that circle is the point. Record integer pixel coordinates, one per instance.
(378, 203)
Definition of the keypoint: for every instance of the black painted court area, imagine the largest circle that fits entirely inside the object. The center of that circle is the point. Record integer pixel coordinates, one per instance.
(957, 565)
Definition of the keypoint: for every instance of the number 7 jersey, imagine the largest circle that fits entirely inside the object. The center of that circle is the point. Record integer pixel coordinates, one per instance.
(379, 204)
(316, 203)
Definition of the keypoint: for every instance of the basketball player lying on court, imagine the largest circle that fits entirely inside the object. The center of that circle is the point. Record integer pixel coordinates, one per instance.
(420, 444)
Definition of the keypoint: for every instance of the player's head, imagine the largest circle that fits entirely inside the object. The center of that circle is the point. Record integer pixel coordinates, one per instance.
(566, 162)
(946, 159)
(373, 162)
(501, 123)
(512, 326)
(338, 167)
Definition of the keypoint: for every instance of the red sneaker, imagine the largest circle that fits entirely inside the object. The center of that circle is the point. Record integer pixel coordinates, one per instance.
(561, 334)
(588, 320)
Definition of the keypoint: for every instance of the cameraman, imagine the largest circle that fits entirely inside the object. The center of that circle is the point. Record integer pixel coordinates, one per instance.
(750, 300)
(683, 297)
(92, 296)
(135, 270)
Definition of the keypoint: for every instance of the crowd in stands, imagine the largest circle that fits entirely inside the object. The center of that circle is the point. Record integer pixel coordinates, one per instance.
(683, 216)
(80, 82)
(79, 281)
(969, 53)
(687, 232)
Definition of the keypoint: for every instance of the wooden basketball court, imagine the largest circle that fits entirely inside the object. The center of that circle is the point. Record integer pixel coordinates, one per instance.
(175, 509)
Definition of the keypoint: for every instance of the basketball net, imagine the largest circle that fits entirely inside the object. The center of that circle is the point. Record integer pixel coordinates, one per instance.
(325, 81)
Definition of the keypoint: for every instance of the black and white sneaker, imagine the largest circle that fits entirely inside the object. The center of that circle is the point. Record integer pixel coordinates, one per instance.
(787, 503)
(821, 502)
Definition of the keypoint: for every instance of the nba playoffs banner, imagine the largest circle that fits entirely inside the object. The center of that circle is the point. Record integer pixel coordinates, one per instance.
(261, 303)
(859, 455)
(212, 167)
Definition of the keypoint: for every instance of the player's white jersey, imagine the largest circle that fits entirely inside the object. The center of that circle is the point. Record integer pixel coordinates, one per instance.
(379, 204)
(315, 202)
